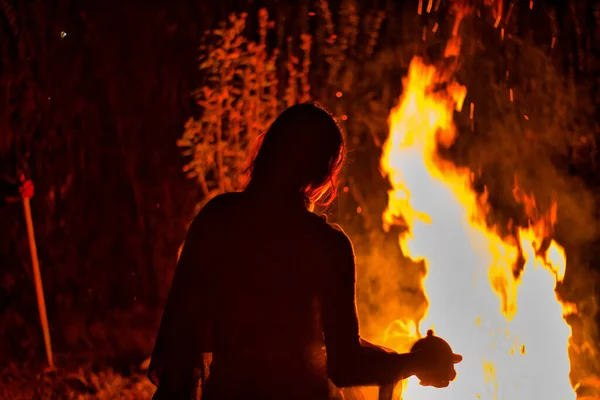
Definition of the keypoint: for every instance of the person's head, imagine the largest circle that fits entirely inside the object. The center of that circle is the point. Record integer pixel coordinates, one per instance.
(301, 153)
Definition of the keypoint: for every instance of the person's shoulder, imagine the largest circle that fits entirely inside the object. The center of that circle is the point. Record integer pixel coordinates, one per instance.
(341, 239)
(331, 233)
(225, 199)
(216, 208)
(335, 247)
(221, 202)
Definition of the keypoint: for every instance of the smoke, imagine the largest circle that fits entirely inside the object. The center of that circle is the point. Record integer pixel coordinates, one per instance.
(389, 289)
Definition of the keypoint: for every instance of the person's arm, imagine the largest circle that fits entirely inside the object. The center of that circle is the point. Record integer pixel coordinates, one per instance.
(352, 361)
(186, 328)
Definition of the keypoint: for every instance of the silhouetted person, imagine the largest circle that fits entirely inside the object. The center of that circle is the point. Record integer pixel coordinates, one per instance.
(268, 287)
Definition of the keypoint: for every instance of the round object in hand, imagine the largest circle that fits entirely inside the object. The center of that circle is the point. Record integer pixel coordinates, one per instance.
(439, 352)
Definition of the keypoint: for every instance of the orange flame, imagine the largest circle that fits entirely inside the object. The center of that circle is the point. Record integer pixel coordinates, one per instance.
(508, 324)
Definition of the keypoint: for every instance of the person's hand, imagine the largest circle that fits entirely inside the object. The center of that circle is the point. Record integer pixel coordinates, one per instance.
(434, 361)
(26, 189)
(435, 370)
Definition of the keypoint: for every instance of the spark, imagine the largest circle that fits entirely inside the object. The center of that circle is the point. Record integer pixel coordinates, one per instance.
(510, 9)
(435, 27)
(498, 19)
(420, 9)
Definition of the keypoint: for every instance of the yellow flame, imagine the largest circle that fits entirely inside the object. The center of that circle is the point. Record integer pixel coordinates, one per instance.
(508, 323)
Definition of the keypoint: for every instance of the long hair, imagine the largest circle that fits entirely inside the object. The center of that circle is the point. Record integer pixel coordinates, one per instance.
(302, 153)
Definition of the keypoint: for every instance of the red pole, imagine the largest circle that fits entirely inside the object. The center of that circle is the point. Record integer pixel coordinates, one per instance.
(39, 290)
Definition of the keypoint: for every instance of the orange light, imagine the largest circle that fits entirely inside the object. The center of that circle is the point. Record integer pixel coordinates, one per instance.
(498, 19)
(509, 327)
(339, 94)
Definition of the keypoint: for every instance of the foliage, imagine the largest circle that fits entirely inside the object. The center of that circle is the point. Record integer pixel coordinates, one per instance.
(73, 382)
(238, 98)
(247, 83)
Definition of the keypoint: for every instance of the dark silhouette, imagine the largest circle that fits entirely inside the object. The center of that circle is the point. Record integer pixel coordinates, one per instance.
(268, 287)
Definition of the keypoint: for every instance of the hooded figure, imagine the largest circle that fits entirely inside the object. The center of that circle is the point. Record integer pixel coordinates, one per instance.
(264, 291)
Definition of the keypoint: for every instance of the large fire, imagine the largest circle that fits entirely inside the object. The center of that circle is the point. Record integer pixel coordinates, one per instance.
(509, 327)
